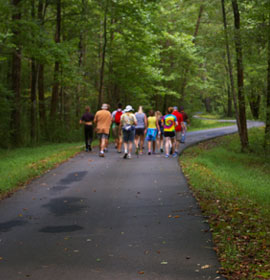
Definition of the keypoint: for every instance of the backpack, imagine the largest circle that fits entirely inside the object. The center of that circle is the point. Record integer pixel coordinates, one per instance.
(118, 117)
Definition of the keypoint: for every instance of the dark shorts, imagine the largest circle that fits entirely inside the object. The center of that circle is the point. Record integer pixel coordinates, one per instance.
(103, 135)
(139, 131)
(128, 136)
(170, 134)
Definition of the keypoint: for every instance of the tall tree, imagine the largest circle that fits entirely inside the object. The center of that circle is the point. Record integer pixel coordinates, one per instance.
(55, 89)
(267, 122)
(230, 67)
(16, 73)
(240, 77)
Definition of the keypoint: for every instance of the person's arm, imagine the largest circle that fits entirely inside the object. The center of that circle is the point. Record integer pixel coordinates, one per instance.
(157, 125)
(135, 120)
(146, 123)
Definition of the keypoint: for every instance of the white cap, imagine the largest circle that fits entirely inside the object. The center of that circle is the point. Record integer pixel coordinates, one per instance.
(128, 109)
(104, 107)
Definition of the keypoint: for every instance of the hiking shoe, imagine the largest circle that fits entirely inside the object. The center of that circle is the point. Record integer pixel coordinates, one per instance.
(161, 150)
(125, 155)
(166, 156)
(101, 154)
(129, 156)
(149, 153)
(175, 155)
(119, 152)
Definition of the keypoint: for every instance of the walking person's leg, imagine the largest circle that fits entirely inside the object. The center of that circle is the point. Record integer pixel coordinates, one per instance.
(141, 143)
(86, 138)
(167, 146)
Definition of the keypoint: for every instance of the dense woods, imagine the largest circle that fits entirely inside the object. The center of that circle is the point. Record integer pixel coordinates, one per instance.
(58, 56)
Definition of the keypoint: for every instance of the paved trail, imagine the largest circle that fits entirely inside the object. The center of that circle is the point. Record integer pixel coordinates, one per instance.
(108, 218)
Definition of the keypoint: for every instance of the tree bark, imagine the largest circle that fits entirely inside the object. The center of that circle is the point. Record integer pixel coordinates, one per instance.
(186, 71)
(254, 104)
(240, 78)
(34, 68)
(267, 121)
(55, 90)
(230, 67)
(41, 95)
(101, 76)
(16, 76)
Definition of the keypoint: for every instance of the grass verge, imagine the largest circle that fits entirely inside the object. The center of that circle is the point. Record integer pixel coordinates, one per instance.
(200, 124)
(233, 190)
(18, 166)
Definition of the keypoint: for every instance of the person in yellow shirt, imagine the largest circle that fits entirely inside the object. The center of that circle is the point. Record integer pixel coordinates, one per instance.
(152, 130)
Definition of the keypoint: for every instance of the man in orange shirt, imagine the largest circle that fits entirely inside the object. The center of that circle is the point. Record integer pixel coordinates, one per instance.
(103, 121)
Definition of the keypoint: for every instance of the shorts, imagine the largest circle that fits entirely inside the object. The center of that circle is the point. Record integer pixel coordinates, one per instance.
(170, 134)
(102, 135)
(151, 134)
(178, 135)
(139, 131)
(115, 131)
(128, 135)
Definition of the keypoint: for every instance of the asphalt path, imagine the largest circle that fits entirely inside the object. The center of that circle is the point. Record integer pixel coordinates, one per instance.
(108, 218)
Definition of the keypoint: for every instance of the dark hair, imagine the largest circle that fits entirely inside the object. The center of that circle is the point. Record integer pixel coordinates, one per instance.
(120, 105)
(151, 113)
(87, 108)
(181, 108)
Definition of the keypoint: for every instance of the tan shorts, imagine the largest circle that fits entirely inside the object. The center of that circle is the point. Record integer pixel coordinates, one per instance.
(178, 135)
(115, 131)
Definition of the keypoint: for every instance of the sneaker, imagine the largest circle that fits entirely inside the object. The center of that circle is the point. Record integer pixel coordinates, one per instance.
(174, 155)
(129, 156)
(101, 154)
(125, 155)
(149, 153)
(161, 150)
(166, 156)
(119, 152)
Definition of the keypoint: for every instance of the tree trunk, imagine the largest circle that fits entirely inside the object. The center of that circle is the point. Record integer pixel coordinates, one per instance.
(41, 95)
(33, 132)
(186, 71)
(55, 90)
(254, 104)
(267, 121)
(16, 76)
(240, 78)
(229, 105)
(230, 68)
(101, 76)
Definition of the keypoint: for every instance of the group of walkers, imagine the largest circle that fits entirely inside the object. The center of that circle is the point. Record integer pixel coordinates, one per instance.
(159, 131)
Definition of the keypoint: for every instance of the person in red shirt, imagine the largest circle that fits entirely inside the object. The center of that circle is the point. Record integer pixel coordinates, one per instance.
(178, 128)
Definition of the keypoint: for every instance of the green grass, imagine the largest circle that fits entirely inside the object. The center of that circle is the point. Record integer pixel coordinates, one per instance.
(233, 190)
(17, 166)
(199, 124)
(215, 117)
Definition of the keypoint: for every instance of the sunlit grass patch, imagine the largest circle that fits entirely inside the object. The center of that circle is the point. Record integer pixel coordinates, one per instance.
(200, 124)
(17, 166)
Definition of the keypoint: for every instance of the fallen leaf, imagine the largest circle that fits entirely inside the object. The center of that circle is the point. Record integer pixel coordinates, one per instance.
(141, 272)
(1, 258)
(176, 217)
(205, 266)
(163, 262)
(98, 260)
